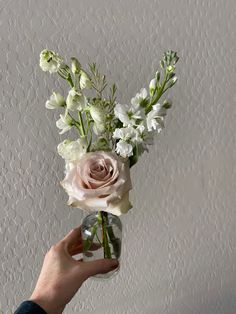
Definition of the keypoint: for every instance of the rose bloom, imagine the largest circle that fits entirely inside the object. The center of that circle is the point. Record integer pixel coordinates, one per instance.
(99, 181)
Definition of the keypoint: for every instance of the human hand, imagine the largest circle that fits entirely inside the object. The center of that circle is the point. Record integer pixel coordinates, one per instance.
(61, 275)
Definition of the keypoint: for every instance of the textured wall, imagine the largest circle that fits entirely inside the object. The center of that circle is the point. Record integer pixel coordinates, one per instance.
(179, 239)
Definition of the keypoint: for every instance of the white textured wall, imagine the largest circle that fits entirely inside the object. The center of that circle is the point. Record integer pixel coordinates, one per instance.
(180, 237)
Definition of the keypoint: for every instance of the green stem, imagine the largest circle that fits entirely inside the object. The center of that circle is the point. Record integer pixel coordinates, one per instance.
(116, 243)
(159, 94)
(70, 81)
(81, 124)
(106, 247)
(89, 241)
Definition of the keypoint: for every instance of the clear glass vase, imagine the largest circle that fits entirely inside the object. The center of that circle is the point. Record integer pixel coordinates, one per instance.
(101, 234)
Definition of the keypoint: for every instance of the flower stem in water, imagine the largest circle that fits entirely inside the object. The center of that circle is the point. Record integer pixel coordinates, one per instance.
(106, 247)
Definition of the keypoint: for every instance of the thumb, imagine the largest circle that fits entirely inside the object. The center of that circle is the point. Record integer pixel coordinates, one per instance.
(100, 266)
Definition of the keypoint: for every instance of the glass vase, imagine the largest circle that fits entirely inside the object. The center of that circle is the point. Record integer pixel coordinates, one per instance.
(101, 234)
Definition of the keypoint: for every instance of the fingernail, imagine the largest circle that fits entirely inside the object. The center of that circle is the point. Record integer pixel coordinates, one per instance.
(115, 264)
(114, 267)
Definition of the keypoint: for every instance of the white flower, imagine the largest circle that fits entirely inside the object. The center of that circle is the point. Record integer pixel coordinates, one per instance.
(85, 81)
(146, 137)
(125, 134)
(124, 149)
(159, 109)
(152, 86)
(155, 119)
(50, 61)
(125, 146)
(128, 138)
(72, 150)
(64, 123)
(55, 101)
(129, 134)
(139, 97)
(129, 115)
(75, 100)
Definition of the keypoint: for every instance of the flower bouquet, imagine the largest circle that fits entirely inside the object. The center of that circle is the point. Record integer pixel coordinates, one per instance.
(109, 140)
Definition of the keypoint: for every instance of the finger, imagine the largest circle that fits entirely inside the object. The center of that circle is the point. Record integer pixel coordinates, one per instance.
(95, 247)
(75, 249)
(100, 266)
(73, 238)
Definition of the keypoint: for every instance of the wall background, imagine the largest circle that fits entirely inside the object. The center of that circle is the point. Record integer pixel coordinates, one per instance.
(179, 239)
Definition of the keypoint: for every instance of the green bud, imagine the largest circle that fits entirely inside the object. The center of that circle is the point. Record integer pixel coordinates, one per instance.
(173, 80)
(85, 81)
(162, 64)
(152, 86)
(158, 75)
(170, 58)
(75, 66)
(170, 68)
(167, 104)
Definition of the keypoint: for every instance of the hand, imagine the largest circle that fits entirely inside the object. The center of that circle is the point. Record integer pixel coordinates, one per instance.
(61, 275)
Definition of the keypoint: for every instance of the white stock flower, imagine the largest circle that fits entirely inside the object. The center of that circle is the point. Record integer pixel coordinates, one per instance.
(75, 100)
(125, 134)
(72, 150)
(124, 149)
(145, 139)
(155, 119)
(128, 138)
(137, 99)
(50, 61)
(55, 101)
(84, 81)
(128, 115)
(64, 123)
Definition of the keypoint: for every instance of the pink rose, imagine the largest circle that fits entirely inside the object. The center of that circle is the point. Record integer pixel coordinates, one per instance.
(99, 181)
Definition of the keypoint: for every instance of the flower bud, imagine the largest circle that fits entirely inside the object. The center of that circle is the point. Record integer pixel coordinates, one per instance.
(55, 101)
(99, 118)
(173, 81)
(158, 75)
(75, 66)
(97, 114)
(152, 86)
(167, 104)
(170, 69)
(85, 81)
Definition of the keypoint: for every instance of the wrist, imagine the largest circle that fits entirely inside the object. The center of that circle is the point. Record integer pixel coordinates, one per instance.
(47, 304)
